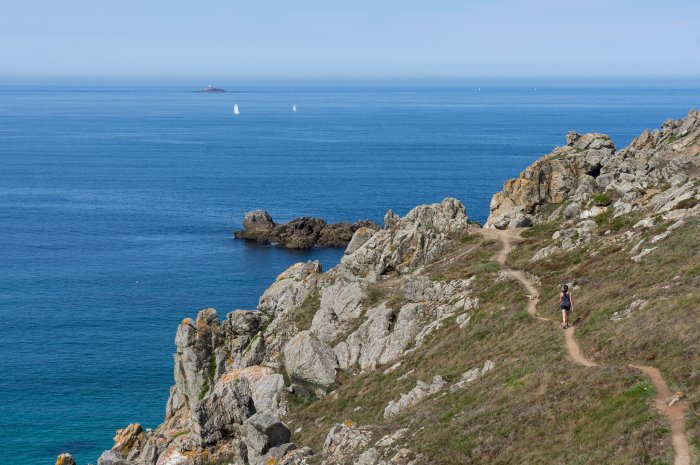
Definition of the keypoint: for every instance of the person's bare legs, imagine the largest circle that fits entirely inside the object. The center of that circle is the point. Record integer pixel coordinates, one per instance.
(565, 318)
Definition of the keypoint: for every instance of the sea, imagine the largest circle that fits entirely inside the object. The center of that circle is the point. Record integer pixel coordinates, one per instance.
(118, 204)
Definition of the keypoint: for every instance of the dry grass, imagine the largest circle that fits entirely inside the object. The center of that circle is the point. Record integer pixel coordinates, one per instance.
(534, 407)
(663, 334)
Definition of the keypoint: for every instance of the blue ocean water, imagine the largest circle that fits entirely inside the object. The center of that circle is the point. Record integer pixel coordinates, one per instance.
(117, 207)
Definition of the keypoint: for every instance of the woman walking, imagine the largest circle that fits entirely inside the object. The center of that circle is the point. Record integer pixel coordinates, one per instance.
(567, 305)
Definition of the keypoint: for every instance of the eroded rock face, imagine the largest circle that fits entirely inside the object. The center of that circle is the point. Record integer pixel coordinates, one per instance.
(219, 415)
(310, 363)
(407, 243)
(128, 439)
(196, 364)
(300, 233)
(290, 289)
(267, 388)
(262, 432)
(589, 165)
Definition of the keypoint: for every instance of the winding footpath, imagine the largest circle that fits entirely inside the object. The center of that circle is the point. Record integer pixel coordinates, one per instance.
(674, 413)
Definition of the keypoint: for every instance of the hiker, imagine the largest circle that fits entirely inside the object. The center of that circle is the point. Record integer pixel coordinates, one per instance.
(566, 304)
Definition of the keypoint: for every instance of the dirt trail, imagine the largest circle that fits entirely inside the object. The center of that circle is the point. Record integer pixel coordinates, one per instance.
(675, 414)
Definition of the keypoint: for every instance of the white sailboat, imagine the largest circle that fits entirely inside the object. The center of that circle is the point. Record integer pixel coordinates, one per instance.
(294, 107)
(235, 109)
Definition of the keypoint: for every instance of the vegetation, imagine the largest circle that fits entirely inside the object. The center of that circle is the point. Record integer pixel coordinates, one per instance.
(687, 203)
(305, 315)
(535, 391)
(602, 200)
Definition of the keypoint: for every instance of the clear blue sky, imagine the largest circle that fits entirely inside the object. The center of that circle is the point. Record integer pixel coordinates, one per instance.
(228, 40)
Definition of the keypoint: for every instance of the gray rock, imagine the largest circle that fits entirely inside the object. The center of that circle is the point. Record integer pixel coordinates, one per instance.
(296, 457)
(627, 312)
(345, 441)
(290, 288)
(415, 395)
(219, 415)
(361, 236)
(267, 388)
(604, 180)
(310, 362)
(520, 221)
(572, 211)
(572, 137)
(261, 432)
(196, 342)
(111, 457)
(408, 243)
(340, 304)
(258, 221)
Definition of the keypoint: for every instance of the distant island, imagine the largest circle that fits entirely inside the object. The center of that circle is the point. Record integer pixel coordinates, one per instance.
(211, 89)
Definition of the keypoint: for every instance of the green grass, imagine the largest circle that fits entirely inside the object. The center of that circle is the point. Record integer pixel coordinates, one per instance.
(180, 433)
(601, 200)
(467, 239)
(687, 203)
(304, 315)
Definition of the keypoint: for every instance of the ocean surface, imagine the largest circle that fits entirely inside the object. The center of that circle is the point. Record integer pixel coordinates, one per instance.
(117, 207)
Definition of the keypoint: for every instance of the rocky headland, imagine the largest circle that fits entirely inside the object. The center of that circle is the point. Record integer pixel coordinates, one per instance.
(301, 233)
(433, 342)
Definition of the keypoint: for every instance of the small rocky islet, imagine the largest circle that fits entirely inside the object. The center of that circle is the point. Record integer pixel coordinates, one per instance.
(280, 384)
(301, 233)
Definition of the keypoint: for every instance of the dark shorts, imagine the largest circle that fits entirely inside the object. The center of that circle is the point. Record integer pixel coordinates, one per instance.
(566, 307)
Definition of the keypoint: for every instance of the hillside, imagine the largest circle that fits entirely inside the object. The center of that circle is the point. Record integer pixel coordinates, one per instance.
(437, 341)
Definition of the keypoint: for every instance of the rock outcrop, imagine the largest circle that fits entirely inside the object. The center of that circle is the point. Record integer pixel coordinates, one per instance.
(65, 459)
(587, 176)
(233, 377)
(300, 233)
(407, 243)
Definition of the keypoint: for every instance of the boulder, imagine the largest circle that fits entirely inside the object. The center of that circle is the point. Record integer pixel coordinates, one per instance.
(111, 457)
(290, 288)
(258, 224)
(261, 432)
(219, 415)
(415, 395)
(361, 236)
(129, 438)
(267, 388)
(345, 440)
(310, 363)
(65, 459)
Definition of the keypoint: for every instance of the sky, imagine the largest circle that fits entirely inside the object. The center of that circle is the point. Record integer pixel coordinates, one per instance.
(272, 40)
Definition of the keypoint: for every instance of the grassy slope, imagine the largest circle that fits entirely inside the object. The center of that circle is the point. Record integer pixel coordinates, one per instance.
(664, 334)
(536, 406)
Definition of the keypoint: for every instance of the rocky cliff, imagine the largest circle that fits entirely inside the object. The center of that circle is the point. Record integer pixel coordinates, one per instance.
(418, 348)
(588, 174)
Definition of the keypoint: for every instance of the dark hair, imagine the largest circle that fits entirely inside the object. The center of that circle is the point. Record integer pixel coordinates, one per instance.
(565, 288)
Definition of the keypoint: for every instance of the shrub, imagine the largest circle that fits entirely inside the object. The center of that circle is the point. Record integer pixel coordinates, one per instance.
(601, 200)
(686, 203)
